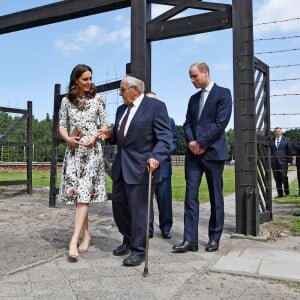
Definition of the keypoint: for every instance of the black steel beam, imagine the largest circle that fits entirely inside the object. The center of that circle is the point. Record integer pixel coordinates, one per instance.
(192, 4)
(54, 148)
(201, 23)
(13, 110)
(13, 182)
(113, 85)
(29, 147)
(57, 12)
(247, 218)
(140, 46)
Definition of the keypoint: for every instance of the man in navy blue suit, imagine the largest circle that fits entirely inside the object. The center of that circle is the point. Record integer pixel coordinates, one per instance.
(297, 149)
(281, 159)
(163, 189)
(208, 114)
(143, 142)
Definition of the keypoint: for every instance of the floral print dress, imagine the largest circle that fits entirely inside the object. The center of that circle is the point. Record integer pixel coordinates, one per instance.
(83, 173)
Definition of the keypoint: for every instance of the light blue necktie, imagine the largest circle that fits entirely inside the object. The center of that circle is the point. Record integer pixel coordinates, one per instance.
(201, 103)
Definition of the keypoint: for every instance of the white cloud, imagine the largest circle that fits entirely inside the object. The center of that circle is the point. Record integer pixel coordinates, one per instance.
(119, 18)
(157, 10)
(204, 38)
(269, 11)
(224, 66)
(93, 36)
(193, 47)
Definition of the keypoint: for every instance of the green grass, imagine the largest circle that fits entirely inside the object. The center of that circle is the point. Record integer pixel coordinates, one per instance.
(292, 198)
(39, 178)
(290, 223)
(42, 178)
(178, 184)
(295, 225)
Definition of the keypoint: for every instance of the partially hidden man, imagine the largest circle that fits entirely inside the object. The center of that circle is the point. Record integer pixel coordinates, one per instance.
(281, 160)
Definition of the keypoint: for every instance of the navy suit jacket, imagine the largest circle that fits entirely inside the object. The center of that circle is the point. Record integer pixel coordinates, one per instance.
(148, 136)
(209, 130)
(166, 165)
(297, 148)
(282, 154)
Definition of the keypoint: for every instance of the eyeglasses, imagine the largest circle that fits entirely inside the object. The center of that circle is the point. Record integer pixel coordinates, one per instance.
(122, 90)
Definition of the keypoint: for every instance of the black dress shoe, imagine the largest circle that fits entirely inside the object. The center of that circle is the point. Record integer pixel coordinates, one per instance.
(133, 260)
(212, 246)
(208, 243)
(185, 246)
(122, 250)
(166, 235)
(150, 235)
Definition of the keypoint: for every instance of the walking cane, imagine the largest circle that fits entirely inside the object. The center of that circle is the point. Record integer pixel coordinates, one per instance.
(146, 271)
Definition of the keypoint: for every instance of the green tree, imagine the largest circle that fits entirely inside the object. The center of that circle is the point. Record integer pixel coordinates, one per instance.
(230, 143)
(42, 139)
(294, 135)
(181, 141)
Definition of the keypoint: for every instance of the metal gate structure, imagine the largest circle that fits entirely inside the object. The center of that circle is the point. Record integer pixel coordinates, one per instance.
(252, 172)
(7, 139)
(262, 104)
(251, 127)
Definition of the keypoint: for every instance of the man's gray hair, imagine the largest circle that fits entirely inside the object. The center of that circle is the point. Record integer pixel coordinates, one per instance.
(133, 81)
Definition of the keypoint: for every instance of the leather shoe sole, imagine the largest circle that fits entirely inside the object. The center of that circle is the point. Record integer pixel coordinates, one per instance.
(212, 246)
(185, 246)
(166, 235)
(132, 261)
(121, 250)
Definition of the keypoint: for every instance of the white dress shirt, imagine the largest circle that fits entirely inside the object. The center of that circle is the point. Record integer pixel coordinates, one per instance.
(136, 103)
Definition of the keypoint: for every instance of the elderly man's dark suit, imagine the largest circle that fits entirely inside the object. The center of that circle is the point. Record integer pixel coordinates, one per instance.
(148, 136)
(209, 132)
(280, 157)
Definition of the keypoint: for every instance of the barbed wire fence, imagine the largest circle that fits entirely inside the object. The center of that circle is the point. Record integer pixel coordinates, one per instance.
(280, 53)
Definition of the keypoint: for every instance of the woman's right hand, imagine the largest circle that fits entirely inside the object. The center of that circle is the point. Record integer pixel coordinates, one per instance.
(73, 141)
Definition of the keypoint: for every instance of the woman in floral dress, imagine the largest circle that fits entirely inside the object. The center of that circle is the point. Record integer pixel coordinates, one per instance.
(83, 174)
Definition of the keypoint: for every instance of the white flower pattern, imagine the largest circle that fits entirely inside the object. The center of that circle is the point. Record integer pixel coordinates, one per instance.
(83, 172)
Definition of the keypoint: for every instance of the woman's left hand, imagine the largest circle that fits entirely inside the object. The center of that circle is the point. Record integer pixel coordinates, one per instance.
(90, 142)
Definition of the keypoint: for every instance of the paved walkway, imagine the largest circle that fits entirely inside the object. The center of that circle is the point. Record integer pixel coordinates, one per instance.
(34, 265)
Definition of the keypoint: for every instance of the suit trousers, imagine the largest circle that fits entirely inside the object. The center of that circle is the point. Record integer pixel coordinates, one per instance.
(163, 193)
(281, 179)
(298, 177)
(130, 207)
(195, 167)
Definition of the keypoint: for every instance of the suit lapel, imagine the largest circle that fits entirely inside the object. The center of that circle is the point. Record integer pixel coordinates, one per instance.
(137, 116)
(120, 114)
(207, 102)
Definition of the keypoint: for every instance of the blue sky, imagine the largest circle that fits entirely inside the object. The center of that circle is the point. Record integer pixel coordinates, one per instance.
(33, 60)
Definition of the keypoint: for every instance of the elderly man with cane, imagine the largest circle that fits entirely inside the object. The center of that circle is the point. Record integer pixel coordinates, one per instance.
(143, 137)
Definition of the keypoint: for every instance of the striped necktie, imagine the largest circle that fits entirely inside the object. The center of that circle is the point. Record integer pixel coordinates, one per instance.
(121, 131)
